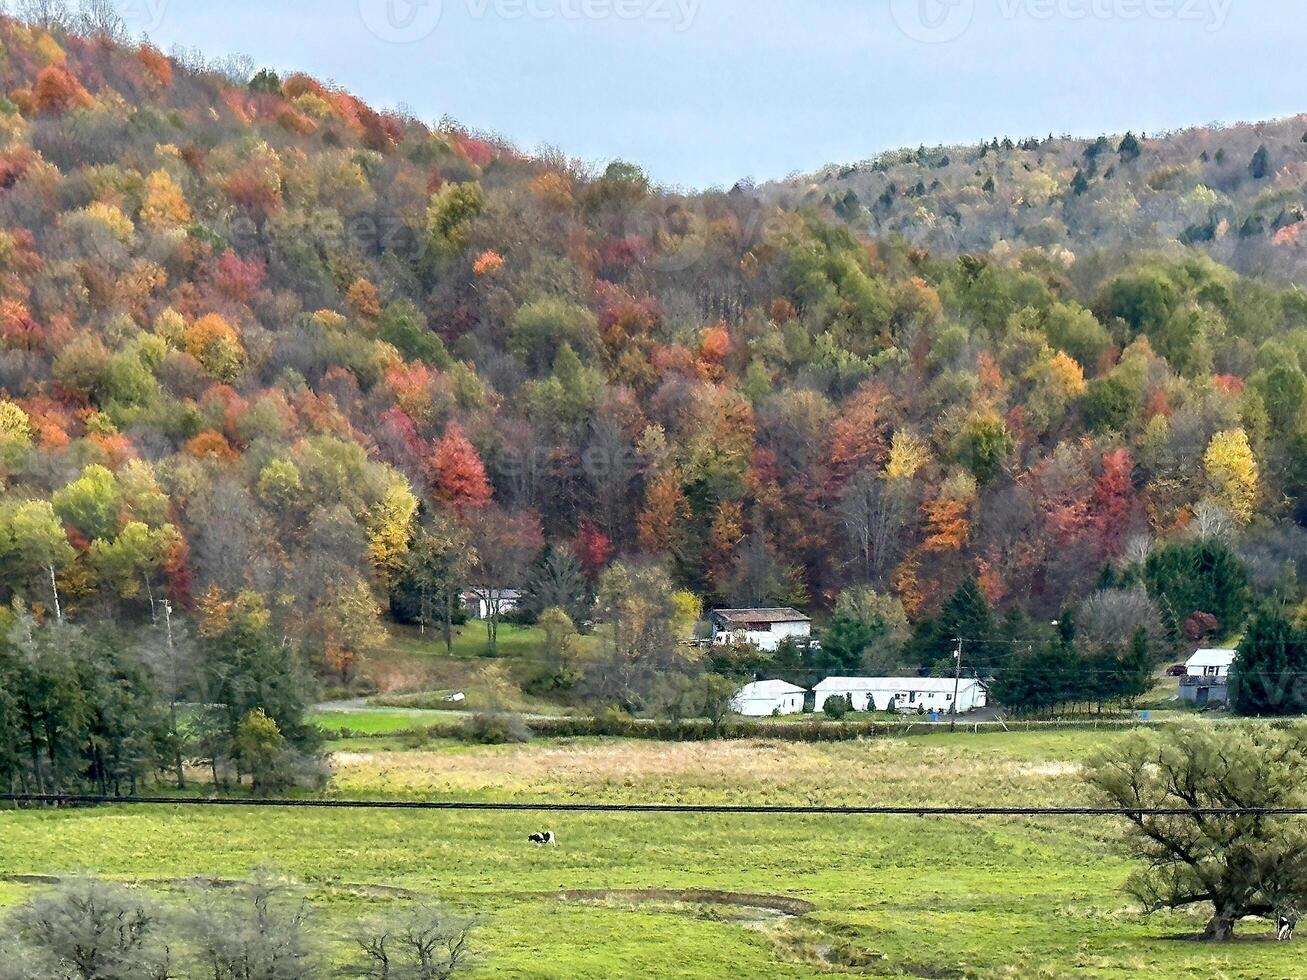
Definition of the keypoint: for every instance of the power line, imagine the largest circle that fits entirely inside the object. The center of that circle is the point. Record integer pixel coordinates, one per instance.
(667, 808)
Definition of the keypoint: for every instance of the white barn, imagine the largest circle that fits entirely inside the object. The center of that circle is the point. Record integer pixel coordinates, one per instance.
(761, 699)
(910, 695)
(765, 629)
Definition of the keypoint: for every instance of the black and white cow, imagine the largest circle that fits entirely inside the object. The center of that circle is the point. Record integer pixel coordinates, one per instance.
(544, 839)
(1285, 923)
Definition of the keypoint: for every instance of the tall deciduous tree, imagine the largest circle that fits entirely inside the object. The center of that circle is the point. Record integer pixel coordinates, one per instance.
(1236, 865)
(457, 473)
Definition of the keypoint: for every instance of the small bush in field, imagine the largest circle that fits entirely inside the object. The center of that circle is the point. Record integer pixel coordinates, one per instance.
(835, 708)
(496, 729)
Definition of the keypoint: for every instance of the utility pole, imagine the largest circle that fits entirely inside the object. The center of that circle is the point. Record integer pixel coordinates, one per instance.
(957, 684)
(172, 698)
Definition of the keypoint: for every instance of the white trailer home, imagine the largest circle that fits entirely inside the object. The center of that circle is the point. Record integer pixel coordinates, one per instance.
(909, 695)
(1207, 677)
(762, 699)
(765, 629)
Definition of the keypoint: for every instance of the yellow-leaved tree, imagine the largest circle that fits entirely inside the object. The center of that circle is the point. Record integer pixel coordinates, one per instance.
(907, 454)
(1231, 468)
(165, 202)
(213, 342)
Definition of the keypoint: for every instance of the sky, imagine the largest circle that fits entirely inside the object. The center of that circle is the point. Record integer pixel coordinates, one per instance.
(703, 93)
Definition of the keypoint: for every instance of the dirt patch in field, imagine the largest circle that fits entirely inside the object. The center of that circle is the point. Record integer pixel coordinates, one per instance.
(218, 884)
(634, 896)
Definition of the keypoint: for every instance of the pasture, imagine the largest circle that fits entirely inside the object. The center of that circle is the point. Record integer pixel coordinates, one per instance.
(630, 894)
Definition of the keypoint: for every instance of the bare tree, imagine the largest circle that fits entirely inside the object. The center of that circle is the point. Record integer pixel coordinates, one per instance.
(1211, 520)
(874, 512)
(1110, 617)
(425, 944)
(49, 15)
(101, 20)
(257, 936)
(85, 929)
(506, 545)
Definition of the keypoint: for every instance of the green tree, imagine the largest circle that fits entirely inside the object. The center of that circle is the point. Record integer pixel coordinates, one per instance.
(542, 328)
(1260, 165)
(1199, 575)
(1234, 864)
(1269, 675)
(90, 503)
(261, 751)
(435, 571)
(983, 446)
(965, 615)
(450, 216)
(33, 543)
(1110, 404)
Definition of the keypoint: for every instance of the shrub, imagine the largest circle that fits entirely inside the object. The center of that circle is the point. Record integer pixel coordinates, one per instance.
(835, 708)
(495, 729)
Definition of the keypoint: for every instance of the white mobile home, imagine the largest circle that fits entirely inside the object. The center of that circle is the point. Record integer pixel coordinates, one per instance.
(762, 699)
(910, 695)
(765, 629)
(1207, 677)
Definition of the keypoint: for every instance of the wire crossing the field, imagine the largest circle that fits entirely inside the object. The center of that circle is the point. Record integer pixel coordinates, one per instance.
(690, 808)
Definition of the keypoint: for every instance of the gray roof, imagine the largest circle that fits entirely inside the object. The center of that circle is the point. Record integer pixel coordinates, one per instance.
(918, 684)
(742, 617)
(767, 689)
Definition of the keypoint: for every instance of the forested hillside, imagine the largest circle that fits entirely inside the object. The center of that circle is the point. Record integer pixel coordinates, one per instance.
(288, 362)
(1237, 193)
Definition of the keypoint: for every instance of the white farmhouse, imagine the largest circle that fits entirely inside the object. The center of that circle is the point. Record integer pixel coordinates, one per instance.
(761, 699)
(765, 629)
(910, 695)
(1206, 677)
(480, 602)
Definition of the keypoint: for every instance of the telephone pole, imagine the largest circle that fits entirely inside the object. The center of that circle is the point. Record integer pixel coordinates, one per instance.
(957, 684)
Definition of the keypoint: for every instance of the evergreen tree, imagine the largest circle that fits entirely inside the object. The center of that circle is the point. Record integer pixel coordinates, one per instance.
(1260, 166)
(1269, 676)
(1199, 575)
(845, 641)
(965, 615)
(1129, 149)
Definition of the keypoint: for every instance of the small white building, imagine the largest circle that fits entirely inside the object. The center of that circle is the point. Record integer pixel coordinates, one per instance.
(765, 629)
(762, 699)
(478, 602)
(909, 695)
(1206, 677)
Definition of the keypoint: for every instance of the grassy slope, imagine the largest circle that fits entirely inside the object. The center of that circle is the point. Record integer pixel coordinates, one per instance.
(1017, 898)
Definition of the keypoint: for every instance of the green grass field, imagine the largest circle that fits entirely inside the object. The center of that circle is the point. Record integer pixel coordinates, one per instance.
(891, 896)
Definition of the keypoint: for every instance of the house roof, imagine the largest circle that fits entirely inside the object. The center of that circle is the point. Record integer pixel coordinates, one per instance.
(759, 690)
(742, 617)
(935, 684)
(1212, 658)
(479, 593)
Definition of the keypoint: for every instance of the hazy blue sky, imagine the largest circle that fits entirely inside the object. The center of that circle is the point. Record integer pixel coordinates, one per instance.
(704, 92)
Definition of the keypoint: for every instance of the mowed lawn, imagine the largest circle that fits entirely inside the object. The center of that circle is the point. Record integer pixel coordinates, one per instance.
(891, 896)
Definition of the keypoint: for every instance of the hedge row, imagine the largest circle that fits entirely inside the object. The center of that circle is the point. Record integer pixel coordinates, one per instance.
(698, 730)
